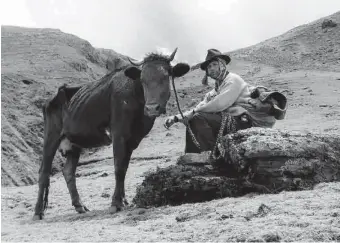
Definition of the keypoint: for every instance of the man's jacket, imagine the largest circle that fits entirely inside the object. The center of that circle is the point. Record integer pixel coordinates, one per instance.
(237, 97)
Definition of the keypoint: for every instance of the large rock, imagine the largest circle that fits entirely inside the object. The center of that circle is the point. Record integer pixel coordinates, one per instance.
(272, 156)
(328, 23)
(257, 160)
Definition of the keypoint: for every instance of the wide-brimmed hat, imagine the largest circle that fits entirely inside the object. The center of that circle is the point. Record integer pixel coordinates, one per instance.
(212, 55)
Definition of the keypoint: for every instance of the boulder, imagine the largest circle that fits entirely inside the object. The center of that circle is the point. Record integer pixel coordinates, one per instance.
(256, 160)
(328, 23)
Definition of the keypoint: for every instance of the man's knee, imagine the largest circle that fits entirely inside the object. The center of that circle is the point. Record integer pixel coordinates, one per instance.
(204, 120)
(197, 121)
(198, 117)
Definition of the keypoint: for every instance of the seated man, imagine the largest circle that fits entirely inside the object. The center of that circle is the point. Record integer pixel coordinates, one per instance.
(244, 105)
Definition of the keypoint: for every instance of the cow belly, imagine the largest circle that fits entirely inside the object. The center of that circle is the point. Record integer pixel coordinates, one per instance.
(85, 134)
(91, 140)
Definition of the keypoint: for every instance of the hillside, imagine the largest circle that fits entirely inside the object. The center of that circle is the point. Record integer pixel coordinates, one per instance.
(311, 46)
(34, 62)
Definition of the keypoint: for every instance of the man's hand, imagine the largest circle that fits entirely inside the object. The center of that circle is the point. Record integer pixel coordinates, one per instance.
(178, 118)
(170, 121)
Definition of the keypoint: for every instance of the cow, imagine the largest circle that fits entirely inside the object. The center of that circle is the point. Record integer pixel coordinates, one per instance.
(119, 109)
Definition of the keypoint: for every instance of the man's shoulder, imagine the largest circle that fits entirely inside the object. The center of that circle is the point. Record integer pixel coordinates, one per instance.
(234, 77)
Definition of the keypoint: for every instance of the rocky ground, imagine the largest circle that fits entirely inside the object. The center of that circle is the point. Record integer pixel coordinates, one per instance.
(36, 61)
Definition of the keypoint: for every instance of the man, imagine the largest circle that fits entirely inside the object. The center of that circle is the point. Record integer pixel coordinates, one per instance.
(246, 106)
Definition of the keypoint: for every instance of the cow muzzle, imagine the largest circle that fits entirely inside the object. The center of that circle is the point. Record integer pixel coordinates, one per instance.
(154, 110)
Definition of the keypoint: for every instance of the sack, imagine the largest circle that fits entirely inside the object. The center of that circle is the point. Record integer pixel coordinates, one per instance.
(277, 99)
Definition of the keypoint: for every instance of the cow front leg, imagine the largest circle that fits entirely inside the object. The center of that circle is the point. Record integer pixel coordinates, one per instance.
(122, 155)
(69, 172)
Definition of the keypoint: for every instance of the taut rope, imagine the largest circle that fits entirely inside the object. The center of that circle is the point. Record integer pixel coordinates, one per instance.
(226, 119)
(180, 111)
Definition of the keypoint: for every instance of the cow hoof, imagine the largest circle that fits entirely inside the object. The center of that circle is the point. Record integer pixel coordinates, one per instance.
(82, 209)
(114, 209)
(38, 217)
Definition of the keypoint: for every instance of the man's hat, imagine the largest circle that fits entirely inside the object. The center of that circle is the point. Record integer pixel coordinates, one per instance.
(211, 56)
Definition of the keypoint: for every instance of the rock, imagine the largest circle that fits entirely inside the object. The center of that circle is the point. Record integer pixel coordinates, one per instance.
(223, 216)
(257, 160)
(328, 23)
(105, 195)
(179, 184)
(273, 156)
(272, 237)
(104, 174)
(28, 81)
(194, 159)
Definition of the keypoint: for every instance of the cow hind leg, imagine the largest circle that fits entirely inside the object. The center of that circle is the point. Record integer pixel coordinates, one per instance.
(51, 145)
(72, 158)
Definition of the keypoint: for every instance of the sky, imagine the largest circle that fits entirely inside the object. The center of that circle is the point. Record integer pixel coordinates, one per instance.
(137, 27)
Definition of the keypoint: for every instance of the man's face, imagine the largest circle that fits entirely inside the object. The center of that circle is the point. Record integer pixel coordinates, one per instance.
(213, 69)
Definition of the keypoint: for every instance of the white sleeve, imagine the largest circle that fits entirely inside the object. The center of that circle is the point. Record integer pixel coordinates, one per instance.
(206, 99)
(226, 98)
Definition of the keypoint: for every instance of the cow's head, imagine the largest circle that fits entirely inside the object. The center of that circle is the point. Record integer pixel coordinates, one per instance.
(155, 74)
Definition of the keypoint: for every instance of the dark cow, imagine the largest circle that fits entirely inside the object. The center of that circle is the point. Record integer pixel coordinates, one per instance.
(120, 108)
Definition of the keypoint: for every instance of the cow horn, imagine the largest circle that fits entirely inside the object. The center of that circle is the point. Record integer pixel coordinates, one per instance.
(173, 55)
(135, 63)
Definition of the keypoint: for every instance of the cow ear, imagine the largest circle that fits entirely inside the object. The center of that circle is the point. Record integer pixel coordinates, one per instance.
(180, 69)
(133, 73)
(59, 99)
